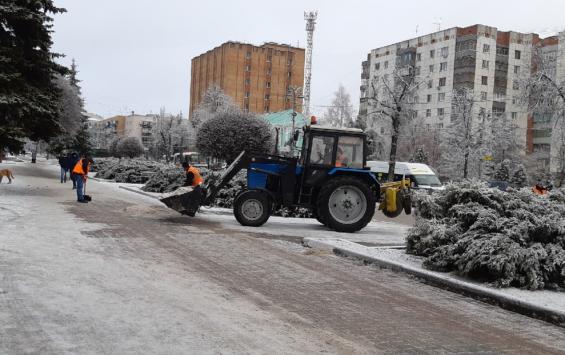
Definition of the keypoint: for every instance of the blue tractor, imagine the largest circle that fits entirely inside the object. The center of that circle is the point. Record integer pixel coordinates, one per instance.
(330, 178)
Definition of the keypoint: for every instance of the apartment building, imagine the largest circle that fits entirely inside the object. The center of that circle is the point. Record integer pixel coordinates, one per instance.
(256, 77)
(490, 62)
(104, 131)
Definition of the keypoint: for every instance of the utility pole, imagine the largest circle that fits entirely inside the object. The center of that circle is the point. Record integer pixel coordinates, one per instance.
(294, 93)
(310, 18)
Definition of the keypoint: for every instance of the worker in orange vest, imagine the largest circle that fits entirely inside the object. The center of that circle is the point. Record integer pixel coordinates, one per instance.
(341, 158)
(80, 173)
(193, 177)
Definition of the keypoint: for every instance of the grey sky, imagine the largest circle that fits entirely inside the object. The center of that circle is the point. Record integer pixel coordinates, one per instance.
(135, 54)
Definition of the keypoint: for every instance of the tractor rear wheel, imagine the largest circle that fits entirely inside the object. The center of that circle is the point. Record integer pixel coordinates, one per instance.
(252, 208)
(346, 204)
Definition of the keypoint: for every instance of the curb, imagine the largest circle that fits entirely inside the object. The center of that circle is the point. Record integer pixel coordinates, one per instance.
(465, 288)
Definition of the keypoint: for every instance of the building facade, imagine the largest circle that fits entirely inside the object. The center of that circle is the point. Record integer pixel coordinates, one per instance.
(491, 63)
(104, 131)
(257, 78)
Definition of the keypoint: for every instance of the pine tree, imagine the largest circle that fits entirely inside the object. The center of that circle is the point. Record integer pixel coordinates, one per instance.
(28, 95)
(81, 141)
(519, 177)
(502, 171)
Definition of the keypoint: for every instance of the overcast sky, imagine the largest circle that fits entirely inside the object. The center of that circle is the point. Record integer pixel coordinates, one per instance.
(134, 55)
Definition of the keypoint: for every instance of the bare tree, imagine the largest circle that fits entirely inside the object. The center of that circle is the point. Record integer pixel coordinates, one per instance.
(465, 141)
(340, 113)
(170, 134)
(392, 99)
(215, 101)
(544, 93)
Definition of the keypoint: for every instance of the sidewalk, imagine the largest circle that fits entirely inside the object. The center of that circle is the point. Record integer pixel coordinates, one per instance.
(546, 305)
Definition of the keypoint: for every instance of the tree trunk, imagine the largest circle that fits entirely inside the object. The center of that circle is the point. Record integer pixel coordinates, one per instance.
(393, 146)
(34, 153)
(466, 165)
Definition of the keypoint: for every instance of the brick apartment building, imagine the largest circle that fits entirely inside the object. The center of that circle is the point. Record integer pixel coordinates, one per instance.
(481, 58)
(256, 77)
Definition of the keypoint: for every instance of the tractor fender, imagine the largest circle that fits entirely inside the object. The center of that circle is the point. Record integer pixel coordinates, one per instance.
(363, 174)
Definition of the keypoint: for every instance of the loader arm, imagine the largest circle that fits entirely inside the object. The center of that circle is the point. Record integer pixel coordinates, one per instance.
(241, 162)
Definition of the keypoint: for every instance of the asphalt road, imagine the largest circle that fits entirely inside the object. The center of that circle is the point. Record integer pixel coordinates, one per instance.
(124, 274)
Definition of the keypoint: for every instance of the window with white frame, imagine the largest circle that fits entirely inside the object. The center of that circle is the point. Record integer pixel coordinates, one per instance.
(428, 112)
(514, 115)
(431, 68)
(440, 111)
(484, 80)
(441, 97)
(483, 95)
(517, 55)
(445, 52)
(486, 48)
(516, 69)
(443, 66)
(442, 81)
(432, 53)
(485, 64)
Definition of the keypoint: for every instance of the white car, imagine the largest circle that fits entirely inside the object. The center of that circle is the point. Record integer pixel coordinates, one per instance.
(421, 176)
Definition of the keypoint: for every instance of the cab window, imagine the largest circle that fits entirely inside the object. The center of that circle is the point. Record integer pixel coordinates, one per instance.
(322, 150)
(350, 152)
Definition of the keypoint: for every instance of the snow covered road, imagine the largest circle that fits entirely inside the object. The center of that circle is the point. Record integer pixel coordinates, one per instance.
(124, 274)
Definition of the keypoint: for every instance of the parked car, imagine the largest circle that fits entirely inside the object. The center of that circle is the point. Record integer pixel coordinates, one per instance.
(421, 175)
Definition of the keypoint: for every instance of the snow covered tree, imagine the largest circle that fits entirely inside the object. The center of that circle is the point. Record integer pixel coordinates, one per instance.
(28, 95)
(392, 99)
(170, 135)
(544, 93)
(228, 134)
(129, 147)
(502, 171)
(82, 142)
(519, 178)
(69, 109)
(420, 156)
(214, 102)
(340, 113)
(464, 139)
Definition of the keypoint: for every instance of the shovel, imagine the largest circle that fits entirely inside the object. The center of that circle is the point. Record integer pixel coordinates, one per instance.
(85, 196)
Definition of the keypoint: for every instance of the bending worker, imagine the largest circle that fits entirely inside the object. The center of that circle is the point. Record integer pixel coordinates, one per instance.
(193, 177)
(80, 173)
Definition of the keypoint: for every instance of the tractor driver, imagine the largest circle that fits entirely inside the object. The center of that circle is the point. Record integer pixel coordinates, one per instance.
(341, 159)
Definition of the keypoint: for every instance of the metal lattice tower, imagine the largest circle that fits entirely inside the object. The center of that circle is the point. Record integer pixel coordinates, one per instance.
(310, 18)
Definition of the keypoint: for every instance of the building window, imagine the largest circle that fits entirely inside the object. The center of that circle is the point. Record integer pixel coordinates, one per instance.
(440, 125)
(486, 48)
(267, 96)
(431, 68)
(417, 71)
(432, 53)
(266, 108)
(386, 64)
(248, 55)
(247, 94)
(485, 64)
(269, 58)
(428, 113)
(268, 71)
(430, 83)
(442, 81)
(418, 57)
(377, 66)
(246, 106)
(428, 126)
(517, 54)
(484, 80)
(247, 81)
(440, 112)
(248, 67)
(289, 74)
(441, 97)
(443, 66)
(444, 52)
(483, 95)
(429, 98)
(268, 84)
(516, 85)
(514, 115)
(516, 69)
(289, 61)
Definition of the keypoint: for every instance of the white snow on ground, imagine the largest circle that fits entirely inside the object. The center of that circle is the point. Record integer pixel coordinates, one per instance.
(381, 233)
(554, 301)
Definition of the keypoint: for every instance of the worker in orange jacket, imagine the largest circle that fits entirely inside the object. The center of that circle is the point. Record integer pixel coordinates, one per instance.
(193, 177)
(80, 173)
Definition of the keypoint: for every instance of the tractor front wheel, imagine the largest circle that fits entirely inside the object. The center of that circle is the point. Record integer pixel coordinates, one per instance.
(346, 204)
(252, 208)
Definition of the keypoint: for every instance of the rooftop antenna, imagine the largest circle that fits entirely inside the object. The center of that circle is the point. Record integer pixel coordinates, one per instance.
(416, 29)
(310, 18)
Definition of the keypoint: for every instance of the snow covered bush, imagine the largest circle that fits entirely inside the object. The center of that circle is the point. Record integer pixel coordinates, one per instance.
(227, 134)
(129, 147)
(134, 171)
(506, 239)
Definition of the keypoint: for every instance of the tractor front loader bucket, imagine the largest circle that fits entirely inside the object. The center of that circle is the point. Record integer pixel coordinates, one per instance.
(185, 200)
